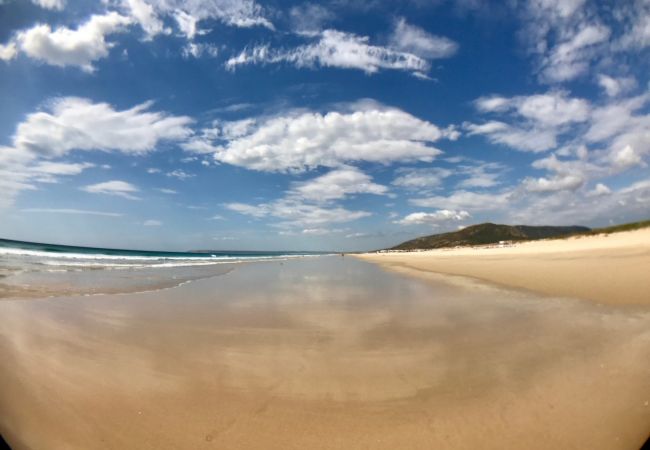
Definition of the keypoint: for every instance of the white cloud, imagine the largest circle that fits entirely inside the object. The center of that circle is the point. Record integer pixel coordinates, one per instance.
(8, 51)
(316, 231)
(421, 178)
(625, 132)
(357, 235)
(20, 170)
(466, 200)
(336, 185)
(411, 39)
(188, 14)
(480, 174)
(180, 174)
(167, 191)
(153, 170)
(299, 142)
(50, 4)
(537, 119)
(557, 183)
(565, 36)
(637, 29)
(335, 49)
(196, 50)
(152, 223)
(294, 213)
(434, 218)
(615, 86)
(310, 205)
(113, 187)
(67, 47)
(523, 139)
(60, 168)
(599, 190)
(566, 207)
(571, 58)
(83, 212)
(626, 157)
(551, 109)
(146, 15)
(72, 123)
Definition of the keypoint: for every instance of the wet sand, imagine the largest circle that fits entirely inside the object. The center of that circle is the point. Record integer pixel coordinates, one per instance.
(612, 269)
(327, 353)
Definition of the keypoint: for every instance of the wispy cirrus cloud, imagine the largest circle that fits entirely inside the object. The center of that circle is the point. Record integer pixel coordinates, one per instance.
(83, 212)
(333, 48)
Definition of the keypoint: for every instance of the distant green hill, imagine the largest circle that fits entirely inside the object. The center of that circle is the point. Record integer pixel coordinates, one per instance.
(488, 233)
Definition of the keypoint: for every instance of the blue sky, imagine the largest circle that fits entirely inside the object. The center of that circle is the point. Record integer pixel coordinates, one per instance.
(235, 124)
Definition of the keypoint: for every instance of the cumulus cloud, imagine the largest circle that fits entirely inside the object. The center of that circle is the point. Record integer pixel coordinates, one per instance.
(50, 4)
(67, 47)
(524, 139)
(336, 185)
(537, 120)
(411, 39)
(434, 218)
(146, 15)
(304, 141)
(551, 109)
(421, 178)
(615, 86)
(335, 48)
(567, 207)
(8, 51)
(114, 187)
(557, 183)
(72, 123)
(599, 190)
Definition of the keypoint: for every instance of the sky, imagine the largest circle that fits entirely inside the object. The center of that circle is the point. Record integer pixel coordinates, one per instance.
(340, 125)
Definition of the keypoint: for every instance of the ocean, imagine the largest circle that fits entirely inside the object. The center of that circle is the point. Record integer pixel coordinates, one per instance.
(37, 269)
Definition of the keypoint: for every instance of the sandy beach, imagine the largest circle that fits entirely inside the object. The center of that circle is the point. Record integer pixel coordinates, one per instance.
(612, 269)
(323, 353)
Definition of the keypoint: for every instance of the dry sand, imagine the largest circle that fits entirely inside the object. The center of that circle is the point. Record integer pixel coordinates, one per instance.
(328, 353)
(612, 269)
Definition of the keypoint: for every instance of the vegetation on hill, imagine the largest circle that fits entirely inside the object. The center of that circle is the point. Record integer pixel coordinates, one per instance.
(489, 233)
(617, 228)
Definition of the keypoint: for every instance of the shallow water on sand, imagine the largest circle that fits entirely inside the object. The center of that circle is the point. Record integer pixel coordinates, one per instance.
(326, 352)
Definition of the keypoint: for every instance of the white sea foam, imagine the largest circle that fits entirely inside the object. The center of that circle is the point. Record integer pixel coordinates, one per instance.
(100, 260)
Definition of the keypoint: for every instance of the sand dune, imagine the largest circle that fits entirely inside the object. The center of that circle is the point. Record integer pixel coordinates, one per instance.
(613, 269)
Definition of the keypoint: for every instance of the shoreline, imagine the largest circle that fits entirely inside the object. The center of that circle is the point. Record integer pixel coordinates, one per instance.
(610, 269)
